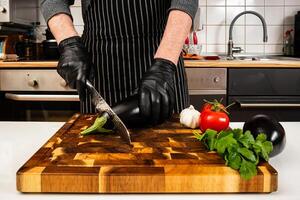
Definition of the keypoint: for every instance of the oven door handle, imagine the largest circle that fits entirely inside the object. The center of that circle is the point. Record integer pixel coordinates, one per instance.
(268, 105)
(41, 97)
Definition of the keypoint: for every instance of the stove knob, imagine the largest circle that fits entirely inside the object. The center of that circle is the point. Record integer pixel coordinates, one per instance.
(217, 79)
(33, 83)
(2, 9)
(63, 83)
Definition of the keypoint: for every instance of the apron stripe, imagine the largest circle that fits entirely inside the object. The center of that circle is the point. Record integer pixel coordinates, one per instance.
(111, 57)
(143, 66)
(122, 37)
(123, 51)
(115, 51)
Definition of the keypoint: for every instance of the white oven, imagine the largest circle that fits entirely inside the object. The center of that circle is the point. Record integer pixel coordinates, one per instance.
(206, 83)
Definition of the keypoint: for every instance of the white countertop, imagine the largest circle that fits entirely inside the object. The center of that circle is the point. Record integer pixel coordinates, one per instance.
(20, 140)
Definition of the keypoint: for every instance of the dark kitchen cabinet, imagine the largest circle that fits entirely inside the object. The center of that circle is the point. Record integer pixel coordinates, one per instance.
(271, 91)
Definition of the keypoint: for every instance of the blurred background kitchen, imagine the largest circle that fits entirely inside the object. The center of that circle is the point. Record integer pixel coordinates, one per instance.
(216, 16)
(30, 88)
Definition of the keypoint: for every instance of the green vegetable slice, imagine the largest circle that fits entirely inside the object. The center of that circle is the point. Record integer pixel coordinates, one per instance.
(97, 127)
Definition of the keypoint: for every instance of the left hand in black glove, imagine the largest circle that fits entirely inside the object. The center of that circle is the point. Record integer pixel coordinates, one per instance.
(157, 91)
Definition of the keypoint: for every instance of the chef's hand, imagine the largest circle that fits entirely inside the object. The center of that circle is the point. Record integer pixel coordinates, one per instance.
(74, 64)
(157, 91)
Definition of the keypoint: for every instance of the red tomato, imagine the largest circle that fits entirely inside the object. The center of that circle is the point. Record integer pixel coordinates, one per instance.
(217, 121)
(206, 108)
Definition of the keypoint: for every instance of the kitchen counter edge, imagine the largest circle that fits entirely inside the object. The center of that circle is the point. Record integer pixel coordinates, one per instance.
(188, 64)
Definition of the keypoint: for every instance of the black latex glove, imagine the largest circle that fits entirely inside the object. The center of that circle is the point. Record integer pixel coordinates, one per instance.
(74, 64)
(157, 91)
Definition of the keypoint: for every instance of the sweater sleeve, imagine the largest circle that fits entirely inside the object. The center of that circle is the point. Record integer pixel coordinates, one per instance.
(49, 8)
(188, 6)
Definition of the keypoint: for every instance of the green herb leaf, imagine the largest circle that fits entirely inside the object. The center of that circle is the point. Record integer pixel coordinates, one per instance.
(263, 149)
(247, 169)
(268, 147)
(261, 137)
(199, 136)
(257, 147)
(224, 143)
(234, 160)
(211, 138)
(223, 133)
(248, 154)
(237, 133)
(247, 139)
(226, 159)
(233, 148)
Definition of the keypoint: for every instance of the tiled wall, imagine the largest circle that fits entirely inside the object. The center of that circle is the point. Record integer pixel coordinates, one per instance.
(218, 14)
(216, 17)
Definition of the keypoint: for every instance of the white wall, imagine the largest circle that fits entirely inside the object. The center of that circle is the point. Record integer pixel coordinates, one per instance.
(216, 17)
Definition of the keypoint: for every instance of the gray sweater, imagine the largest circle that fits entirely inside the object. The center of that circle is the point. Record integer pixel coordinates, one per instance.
(52, 7)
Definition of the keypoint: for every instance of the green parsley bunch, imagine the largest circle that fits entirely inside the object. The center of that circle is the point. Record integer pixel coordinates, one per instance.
(241, 151)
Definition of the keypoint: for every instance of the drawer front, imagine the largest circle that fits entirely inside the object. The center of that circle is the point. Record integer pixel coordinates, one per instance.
(32, 80)
(206, 78)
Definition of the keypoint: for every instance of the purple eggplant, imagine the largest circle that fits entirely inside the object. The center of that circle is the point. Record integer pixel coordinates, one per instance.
(269, 126)
(129, 112)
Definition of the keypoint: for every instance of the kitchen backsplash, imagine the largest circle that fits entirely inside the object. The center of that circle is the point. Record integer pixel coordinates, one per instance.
(216, 16)
(248, 33)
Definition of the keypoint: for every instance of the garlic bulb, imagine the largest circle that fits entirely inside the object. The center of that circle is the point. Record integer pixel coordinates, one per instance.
(189, 117)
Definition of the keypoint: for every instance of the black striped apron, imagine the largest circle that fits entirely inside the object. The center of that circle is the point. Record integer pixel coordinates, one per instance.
(122, 37)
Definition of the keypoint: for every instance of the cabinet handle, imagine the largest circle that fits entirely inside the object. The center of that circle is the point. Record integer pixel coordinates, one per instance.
(207, 92)
(41, 97)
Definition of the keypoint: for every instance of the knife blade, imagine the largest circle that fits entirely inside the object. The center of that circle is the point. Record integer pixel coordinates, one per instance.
(106, 111)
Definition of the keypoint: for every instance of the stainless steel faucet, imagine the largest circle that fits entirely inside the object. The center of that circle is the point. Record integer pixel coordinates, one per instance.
(231, 48)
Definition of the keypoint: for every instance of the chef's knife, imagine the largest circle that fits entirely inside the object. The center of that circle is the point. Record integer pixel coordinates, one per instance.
(105, 111)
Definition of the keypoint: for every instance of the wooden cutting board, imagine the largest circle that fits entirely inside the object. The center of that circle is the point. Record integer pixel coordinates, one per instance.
(163, 159)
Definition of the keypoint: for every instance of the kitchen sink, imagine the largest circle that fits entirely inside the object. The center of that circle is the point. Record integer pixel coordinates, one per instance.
(262, 58)
(267, 58)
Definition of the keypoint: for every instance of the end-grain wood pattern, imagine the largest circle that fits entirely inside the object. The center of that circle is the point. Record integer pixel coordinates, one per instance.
(162, 159)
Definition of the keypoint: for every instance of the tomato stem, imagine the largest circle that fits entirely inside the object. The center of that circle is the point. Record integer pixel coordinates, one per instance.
(230, 105)
(217, 106)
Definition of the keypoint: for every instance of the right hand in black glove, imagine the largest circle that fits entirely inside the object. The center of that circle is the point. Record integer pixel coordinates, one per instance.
(74, 64)
(157, 91)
